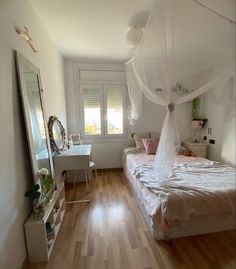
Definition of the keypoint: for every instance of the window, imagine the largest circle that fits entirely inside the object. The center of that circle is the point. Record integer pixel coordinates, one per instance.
(114, 111)
(103, 110)
(92, 111)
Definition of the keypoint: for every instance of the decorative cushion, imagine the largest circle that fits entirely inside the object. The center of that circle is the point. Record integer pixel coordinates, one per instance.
(138, 139)
(150, 145)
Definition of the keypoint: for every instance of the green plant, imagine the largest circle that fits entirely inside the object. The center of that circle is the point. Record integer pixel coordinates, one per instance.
(195, 108)
(47, 184)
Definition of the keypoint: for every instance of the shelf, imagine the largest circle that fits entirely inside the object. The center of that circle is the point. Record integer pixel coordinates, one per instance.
(62, 201)
(57, 227)
(62, 213)
(55, 215)
(39, 245)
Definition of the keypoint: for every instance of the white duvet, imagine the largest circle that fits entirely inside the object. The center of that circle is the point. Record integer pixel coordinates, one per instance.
(198, 188)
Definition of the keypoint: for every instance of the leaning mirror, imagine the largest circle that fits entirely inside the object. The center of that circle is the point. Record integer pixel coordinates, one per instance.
(57, 134)
(32, 103)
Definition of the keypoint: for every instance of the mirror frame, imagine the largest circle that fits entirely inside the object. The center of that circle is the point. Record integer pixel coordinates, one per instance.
(51, 121)
(22, 62)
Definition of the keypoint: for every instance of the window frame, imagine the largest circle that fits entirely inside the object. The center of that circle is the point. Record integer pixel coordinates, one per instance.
(82, 118)
(123, 89)
(103, 88)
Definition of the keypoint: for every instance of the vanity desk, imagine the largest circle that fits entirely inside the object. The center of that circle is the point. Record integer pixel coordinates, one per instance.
(75, 158)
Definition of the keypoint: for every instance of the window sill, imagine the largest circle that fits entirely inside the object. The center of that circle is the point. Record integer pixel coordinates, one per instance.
(110, 139)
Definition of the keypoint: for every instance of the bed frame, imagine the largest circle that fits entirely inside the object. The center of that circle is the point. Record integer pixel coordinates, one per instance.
(209, 225)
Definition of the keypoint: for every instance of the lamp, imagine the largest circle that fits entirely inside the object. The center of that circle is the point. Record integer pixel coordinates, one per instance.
(134, 36)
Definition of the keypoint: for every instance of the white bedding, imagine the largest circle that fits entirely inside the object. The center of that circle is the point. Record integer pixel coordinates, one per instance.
(198, 189)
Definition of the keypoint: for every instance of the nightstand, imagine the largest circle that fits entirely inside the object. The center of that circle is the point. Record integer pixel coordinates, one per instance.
(200, 149)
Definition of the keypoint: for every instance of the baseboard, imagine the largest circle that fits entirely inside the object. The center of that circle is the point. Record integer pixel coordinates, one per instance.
(110, 169)
(25, 263)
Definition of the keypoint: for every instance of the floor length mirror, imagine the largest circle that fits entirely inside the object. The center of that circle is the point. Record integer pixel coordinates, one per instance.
(32, 102)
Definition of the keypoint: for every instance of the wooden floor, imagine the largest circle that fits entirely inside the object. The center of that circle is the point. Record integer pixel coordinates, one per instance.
(110, 232)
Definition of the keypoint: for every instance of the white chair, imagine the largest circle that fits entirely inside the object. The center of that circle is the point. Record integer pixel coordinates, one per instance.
(92, 166)
(76, 140)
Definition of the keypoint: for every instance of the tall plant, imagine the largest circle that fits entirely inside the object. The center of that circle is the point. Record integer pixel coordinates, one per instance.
(195, 108)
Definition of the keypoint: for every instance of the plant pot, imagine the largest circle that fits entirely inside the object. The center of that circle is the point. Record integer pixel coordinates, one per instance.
(197, 124)
(38, 208)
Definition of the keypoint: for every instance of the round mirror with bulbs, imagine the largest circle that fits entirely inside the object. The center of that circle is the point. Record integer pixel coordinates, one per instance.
(57, 134)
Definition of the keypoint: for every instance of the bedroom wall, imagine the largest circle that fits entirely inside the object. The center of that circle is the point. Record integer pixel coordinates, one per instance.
(107, 154)
(15, 170)
(218, 106)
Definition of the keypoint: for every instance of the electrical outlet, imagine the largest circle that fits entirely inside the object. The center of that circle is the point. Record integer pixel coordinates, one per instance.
(209, 131)
(212, 141)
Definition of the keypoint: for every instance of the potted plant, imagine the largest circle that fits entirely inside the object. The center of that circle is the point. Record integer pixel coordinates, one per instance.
(37, 199)
(41, 195)
(197, 122)
(46, 183)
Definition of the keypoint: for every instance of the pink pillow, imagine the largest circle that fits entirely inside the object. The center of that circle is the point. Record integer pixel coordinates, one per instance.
(150, 145)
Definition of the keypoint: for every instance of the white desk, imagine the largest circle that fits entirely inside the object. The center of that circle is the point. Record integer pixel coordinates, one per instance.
(75, 158)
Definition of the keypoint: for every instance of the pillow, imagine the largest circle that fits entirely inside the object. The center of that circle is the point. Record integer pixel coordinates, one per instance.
(138, 139)
(150, 145)
(155, 135)
(184, 151)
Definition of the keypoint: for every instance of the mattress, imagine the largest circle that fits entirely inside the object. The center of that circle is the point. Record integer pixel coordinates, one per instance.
(159, 211)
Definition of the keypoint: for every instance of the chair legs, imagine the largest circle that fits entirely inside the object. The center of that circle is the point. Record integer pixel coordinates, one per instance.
(96, 174)
(87, 186)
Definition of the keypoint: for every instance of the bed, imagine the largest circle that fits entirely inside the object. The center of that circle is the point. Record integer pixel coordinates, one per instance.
(198, 199)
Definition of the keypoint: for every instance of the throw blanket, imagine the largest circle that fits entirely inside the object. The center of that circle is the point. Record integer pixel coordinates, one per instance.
(194, 190)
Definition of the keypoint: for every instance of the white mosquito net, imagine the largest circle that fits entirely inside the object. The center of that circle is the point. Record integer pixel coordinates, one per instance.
(186, 50)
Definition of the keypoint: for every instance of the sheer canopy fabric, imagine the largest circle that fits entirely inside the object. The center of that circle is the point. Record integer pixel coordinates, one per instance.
(135, 96)
(186, 50)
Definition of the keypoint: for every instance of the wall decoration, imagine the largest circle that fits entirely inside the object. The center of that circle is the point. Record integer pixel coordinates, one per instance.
(26, 35)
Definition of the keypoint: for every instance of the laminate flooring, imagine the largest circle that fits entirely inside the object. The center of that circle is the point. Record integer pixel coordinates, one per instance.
(110, 232)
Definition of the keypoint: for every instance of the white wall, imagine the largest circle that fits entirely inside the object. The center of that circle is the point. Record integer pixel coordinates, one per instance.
(218, 106)
(15, 171)
(107, 154)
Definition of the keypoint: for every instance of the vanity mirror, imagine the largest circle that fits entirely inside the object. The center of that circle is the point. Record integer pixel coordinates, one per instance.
(32, 103)
(57, 134)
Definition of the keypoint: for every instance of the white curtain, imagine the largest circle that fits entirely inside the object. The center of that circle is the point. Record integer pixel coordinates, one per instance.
(184, 44)
(135, 95)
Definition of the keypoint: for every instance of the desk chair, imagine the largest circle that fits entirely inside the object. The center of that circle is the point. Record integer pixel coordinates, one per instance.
(76, 140)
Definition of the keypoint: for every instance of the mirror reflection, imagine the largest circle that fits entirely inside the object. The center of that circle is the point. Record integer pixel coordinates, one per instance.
(36, 118)
(57, 134)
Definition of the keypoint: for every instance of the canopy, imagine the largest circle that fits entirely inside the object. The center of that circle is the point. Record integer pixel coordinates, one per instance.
(186, 50)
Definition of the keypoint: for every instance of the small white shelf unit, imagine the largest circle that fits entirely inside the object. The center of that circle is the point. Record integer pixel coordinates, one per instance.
(200, 149)
(41, 234)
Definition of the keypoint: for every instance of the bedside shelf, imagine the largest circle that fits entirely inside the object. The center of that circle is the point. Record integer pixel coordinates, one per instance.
(200, 149)
(42, 234)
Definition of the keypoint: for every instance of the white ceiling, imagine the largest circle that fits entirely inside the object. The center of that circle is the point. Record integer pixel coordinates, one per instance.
(91, 29)
(96, 29)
